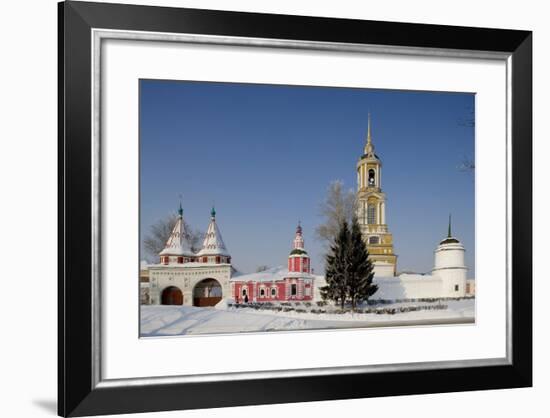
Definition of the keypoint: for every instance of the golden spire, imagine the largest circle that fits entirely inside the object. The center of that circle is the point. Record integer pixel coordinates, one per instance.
(369, 139)
(369, 148)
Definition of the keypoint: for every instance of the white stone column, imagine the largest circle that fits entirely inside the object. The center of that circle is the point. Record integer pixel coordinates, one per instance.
(154, 296)
(383, 210)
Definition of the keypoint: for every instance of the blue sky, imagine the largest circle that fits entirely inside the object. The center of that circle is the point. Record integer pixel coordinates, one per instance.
(265, 155)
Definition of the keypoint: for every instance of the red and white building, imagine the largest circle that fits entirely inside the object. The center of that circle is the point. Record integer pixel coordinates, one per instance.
(295, 283)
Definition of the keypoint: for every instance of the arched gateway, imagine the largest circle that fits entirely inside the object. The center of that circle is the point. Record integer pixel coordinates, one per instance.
(207, 292)
(172, 296)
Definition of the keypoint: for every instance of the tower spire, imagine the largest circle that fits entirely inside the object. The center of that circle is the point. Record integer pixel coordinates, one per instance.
(369, 138)
(449, 239)
(369, 147)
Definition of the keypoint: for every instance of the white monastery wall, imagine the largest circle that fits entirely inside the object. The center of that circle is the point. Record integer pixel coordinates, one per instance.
(412, 286)
(383, 269)
(408, 286)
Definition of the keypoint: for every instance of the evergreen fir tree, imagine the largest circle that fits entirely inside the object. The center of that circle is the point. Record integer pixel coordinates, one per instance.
(359, 268)
(336, 270)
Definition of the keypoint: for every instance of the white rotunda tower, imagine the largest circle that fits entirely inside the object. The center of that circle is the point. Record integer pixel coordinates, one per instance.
(450, 267)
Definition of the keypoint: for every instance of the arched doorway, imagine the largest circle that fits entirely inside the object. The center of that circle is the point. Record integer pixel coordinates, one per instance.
(207, 292)
(172, 296)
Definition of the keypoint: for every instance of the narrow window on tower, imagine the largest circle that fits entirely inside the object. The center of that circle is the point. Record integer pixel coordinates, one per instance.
(371, 214)
(371, 177)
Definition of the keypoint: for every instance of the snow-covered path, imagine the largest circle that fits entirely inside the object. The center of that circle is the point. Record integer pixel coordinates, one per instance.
(185, 320)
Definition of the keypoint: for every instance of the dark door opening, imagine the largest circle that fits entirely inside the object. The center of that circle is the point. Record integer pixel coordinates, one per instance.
(172, 296)
(207, 292)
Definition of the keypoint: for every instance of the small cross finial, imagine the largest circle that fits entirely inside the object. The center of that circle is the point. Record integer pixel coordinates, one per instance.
(180, 210)
(299, 227)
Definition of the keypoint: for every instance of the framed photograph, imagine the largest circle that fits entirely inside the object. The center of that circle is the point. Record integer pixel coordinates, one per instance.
(265, 208)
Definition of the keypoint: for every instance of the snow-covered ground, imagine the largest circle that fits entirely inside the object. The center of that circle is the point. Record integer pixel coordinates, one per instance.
(185, 320)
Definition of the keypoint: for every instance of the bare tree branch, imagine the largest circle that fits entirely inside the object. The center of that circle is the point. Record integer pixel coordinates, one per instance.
(468, 164)
(338, 206)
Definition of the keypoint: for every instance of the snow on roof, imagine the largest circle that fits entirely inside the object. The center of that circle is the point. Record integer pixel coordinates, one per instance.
(177, 244)
(213, 242)
(187, 265)
(270, 275)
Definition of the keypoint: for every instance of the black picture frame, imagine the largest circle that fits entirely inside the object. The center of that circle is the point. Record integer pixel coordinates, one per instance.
(78, 394)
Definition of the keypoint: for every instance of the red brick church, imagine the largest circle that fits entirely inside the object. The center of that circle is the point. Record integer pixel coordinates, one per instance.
(294, 283)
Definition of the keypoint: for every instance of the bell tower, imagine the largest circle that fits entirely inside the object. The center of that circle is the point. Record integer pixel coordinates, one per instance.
(371, 210)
